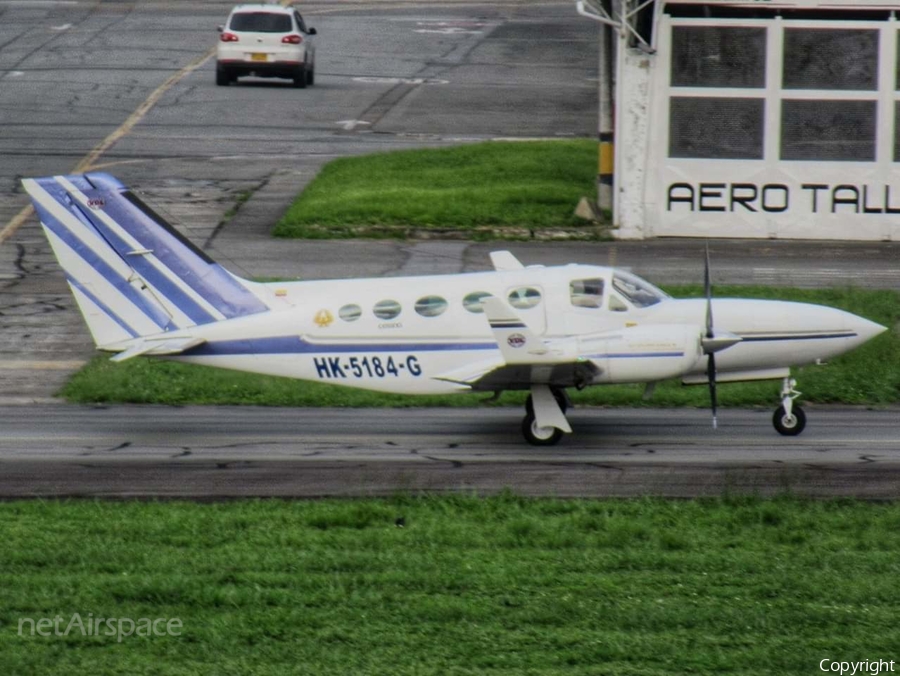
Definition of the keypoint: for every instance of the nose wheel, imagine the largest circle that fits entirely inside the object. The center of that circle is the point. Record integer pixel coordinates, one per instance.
(789, 419)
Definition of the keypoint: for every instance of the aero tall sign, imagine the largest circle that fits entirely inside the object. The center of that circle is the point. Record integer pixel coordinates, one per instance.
(765, 123)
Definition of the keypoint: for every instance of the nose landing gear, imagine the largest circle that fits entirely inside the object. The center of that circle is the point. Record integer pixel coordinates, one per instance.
(789, 419)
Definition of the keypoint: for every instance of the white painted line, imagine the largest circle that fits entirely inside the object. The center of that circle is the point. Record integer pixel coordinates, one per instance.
(125, 128)
(401, 80)
(350, 125)
(447, 31)
(64, 27)
(16, 73)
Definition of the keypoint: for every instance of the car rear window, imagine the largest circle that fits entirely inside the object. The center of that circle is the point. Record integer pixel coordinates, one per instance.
(261, 22)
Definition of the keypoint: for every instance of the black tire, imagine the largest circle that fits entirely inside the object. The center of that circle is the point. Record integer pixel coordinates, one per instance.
(311, 76)
(561, 399)
(300, 78)
(223, 79)
(789, 426)
(539, 436)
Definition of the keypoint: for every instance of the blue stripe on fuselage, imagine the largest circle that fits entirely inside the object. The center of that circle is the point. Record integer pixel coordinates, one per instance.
(639, 355)
(789, 337)
(296, 345)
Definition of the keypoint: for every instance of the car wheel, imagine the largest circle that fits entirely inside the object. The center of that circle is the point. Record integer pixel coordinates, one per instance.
(311, 76)
(300, 78)
(223, 79)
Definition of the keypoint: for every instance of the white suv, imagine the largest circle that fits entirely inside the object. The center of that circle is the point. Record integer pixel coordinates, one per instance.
(266, 41)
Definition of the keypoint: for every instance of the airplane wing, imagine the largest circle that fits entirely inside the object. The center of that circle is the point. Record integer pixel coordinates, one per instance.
(157, 346)
(525, 359)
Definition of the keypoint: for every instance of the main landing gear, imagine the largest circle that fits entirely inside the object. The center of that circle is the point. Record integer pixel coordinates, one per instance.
(545, 416)
(789, 419)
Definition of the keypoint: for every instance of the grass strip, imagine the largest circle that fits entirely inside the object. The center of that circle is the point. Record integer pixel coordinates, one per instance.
(487, 189)
(869, 375)
(499, 586)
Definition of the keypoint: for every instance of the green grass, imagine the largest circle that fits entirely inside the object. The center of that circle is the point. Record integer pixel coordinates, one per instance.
(496, 184)
(500, 586)
(869, 375)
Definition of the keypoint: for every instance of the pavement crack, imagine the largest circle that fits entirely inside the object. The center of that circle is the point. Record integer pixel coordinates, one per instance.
(122, 446)
(455, 464)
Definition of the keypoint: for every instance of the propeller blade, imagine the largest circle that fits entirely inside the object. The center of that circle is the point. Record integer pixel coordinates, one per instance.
(710, 334)
(713, 397)
(707, 290)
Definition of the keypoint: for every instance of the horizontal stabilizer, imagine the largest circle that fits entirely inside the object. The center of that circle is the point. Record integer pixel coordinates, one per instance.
(158, 347)
(505, 261)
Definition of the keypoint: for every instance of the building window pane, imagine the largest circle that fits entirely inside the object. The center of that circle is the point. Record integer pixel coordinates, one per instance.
(431, 306)
(716, 128)
(387, 309)
(718, 57)
(472, 302)
(830, 59)
(524, 298)
(350, 313)
(897, 131)
(828, 130)
(897, 69)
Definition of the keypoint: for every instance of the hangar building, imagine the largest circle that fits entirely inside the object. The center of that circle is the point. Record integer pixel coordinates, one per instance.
(757, 119)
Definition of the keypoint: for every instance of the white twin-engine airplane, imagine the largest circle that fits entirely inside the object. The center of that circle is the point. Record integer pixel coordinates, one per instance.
(146, 290)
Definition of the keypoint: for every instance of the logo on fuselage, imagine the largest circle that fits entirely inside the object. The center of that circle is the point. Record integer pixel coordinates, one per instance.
(516, 340)
(96, 203)
(323, 319)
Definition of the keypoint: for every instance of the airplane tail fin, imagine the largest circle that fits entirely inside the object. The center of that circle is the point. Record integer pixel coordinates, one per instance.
(130, 271)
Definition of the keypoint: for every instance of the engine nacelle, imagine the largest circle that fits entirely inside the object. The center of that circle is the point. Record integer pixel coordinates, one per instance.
(643, 353)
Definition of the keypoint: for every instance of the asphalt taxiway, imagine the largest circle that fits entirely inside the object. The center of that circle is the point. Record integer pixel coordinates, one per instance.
(128, 87)
(229, 452)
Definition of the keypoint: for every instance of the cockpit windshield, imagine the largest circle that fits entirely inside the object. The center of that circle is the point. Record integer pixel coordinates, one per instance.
(637, 291)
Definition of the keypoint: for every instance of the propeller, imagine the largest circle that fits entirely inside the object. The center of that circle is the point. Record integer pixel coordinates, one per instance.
(710, 336)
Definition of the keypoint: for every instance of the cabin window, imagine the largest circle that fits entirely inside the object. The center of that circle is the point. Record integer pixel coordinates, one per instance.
(431, 306)
(350, 313)
(387, 309)
(473, 302)
(524, 297)
(586, 292)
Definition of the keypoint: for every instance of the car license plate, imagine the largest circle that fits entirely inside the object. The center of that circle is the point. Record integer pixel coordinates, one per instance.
(256, 56)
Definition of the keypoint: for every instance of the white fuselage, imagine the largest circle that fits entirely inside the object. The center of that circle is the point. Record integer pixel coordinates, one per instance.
(423, 335)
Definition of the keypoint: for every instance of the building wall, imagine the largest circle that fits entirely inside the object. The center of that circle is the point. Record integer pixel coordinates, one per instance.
(761, 127)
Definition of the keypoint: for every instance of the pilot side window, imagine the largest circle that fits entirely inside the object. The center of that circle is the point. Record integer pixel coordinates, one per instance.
(586, 292)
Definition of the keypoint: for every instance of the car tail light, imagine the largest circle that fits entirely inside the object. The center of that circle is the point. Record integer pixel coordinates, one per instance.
(292, 39)
(228, 37)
